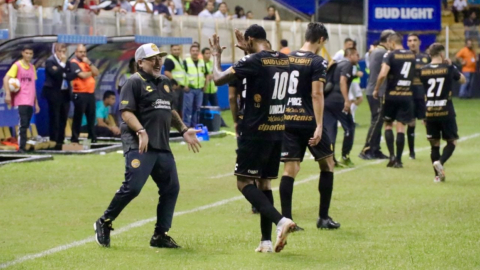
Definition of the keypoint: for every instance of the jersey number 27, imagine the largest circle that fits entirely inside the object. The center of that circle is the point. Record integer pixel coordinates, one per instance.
(433, 82)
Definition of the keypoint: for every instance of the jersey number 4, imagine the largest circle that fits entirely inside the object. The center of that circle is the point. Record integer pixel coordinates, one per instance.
(433, 82)
(406, 69)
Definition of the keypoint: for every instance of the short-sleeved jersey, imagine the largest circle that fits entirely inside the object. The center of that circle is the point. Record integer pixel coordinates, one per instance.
(400, 76)
(344, 69)
(421, 59)
(150, 99)
(437, 80)
(305, 68)
(267, 74)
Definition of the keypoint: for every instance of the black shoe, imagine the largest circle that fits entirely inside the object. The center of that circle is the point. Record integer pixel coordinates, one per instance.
(380, 155)
(398, 165)
(412, 155)
(102, 232)
(163, 241)
(327, 223)
(365, 156)
(298, 229)
(254, 210)
(21, 151)
(392, 162)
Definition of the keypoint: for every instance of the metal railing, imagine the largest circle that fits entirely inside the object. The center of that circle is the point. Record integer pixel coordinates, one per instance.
(50, 21)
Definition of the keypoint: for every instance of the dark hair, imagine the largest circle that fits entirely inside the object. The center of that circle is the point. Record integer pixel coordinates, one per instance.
(205, 49)
(131, 65)
(298, 18)
(27, 47)
(436, 49)
(248, 12)
(284, 43)
(223, 3)
(376, 43)
(269, 44)
(60, 46)
(173, 45)
(271, 6)
(349, 51)
(354, 44)
(385, 34)
(413, 35)
(174, 82)
(108, 94)
(397, 38)
(255, 31)
(194, 46)
(348, 40)
(315, 31)
(238, 9)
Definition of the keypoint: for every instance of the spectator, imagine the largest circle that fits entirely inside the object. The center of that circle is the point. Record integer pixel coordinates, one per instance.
(468, 58)
(178, 4)
(132, 68)
(272, 14)
(171, 8)
(83, 93)
(239, 13)
(348, 43)
(103, 127)
(249, 15)
(160, 8)
(460, 6)
(284, 46)
(222, 12)
(175, 70)
(57, 91)
(142, 6)
(210, 94)
(196, 6)
(125, 6)
(25, 99)
(208, 11)
(471, 27)
(192, 100)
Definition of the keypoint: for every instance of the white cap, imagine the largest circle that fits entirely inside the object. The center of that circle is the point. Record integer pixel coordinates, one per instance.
(148, 50)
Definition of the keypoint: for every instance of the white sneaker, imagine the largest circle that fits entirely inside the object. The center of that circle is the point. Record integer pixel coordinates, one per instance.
(440, 171)
(264, 247)
(284, 227)
(437, 179)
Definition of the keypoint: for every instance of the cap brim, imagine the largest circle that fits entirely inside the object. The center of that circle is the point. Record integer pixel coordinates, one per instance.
(162, 54)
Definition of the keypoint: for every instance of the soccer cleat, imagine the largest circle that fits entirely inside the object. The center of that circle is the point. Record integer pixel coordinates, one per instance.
(412, 155)
(102, 232)
(298, 229)
(397, 165)
(380, 155)
(327, 223)
(439, 169)
(392, 162)
(366, 156)
(346, 162)
(264, 247)
(163, 241)
(284, 228)
(436, 179)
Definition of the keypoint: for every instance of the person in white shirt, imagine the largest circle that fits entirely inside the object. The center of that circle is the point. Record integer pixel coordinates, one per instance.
(460, 6)
(208, 11)
(142, 6)
(222, 12)
(348, 43)
(208, 25)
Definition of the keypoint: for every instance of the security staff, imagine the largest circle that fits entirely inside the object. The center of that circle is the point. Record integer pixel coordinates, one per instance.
(175, 70)
(196, 73)
(210, 94)
(83, 93)
(145, 103)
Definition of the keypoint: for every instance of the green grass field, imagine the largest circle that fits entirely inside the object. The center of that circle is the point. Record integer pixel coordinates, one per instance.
(390, 218)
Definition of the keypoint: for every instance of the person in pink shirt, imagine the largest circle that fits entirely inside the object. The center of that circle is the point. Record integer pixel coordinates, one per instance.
(25, 99)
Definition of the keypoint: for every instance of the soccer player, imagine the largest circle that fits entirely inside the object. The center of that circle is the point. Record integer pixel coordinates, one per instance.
(421, 59)
(337, 105)
(399, 66)
(261, 130)
(304, 123)
(437, 78)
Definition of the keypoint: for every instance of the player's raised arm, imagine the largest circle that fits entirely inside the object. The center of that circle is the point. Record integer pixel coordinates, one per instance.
(219, 77)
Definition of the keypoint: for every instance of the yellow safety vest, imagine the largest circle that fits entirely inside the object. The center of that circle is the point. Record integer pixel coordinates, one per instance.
(211, 87)
(178, 72)
(195, 74)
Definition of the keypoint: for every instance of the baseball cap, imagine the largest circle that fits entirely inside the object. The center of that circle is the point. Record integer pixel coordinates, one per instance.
(255, 31)
(148, 50)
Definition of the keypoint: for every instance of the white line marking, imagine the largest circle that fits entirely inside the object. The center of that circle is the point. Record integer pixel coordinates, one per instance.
(221, 176)
(201, 208)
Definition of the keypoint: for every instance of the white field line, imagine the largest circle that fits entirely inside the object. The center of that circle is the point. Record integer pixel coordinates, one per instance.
(194, 210)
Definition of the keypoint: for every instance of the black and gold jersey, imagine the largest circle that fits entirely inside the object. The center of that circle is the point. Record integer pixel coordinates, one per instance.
(400, 76)
(421, 59)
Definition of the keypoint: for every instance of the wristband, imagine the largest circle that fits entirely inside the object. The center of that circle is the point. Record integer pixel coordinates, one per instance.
(140, 131)
(183, 131)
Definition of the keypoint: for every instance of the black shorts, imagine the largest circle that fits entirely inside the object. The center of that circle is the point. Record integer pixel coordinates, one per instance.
(258, 159)
(442, 129)
(295, 143)
(419, 108)
(397, 110)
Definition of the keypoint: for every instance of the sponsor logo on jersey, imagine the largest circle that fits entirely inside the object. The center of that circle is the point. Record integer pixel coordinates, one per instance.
(275, 62)
(167, 89)
(162, 104)
(257, 98)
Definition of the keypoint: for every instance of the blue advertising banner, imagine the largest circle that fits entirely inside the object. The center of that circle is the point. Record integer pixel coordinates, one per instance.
(404, 15)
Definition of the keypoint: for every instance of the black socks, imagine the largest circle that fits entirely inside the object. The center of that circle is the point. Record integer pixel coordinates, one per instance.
(258, 199)
(411, 139)
(447, 152)
(265, 222)
(389, 140)
(325, 187)
(400, 145)
(286, 191)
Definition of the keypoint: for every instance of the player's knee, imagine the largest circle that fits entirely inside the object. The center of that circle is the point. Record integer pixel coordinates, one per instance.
(243, 182)
(327, 165)
(452, 142)
(264, 184)
(435, 143)
(291, 168)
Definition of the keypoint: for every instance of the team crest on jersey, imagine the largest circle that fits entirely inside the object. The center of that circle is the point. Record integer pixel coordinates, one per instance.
(257, 98)
(424, 60)
(148, 88)
(135, 163)
(167, 89)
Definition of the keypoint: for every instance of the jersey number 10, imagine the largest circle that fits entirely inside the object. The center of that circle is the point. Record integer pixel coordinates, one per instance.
(433, 82)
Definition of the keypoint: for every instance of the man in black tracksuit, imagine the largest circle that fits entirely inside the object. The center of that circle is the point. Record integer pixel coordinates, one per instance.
(146, 106)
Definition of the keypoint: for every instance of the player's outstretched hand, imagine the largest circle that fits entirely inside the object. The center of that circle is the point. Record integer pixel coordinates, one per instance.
(317, 136)
(241, 43)
(215, 45)
(191, 139)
